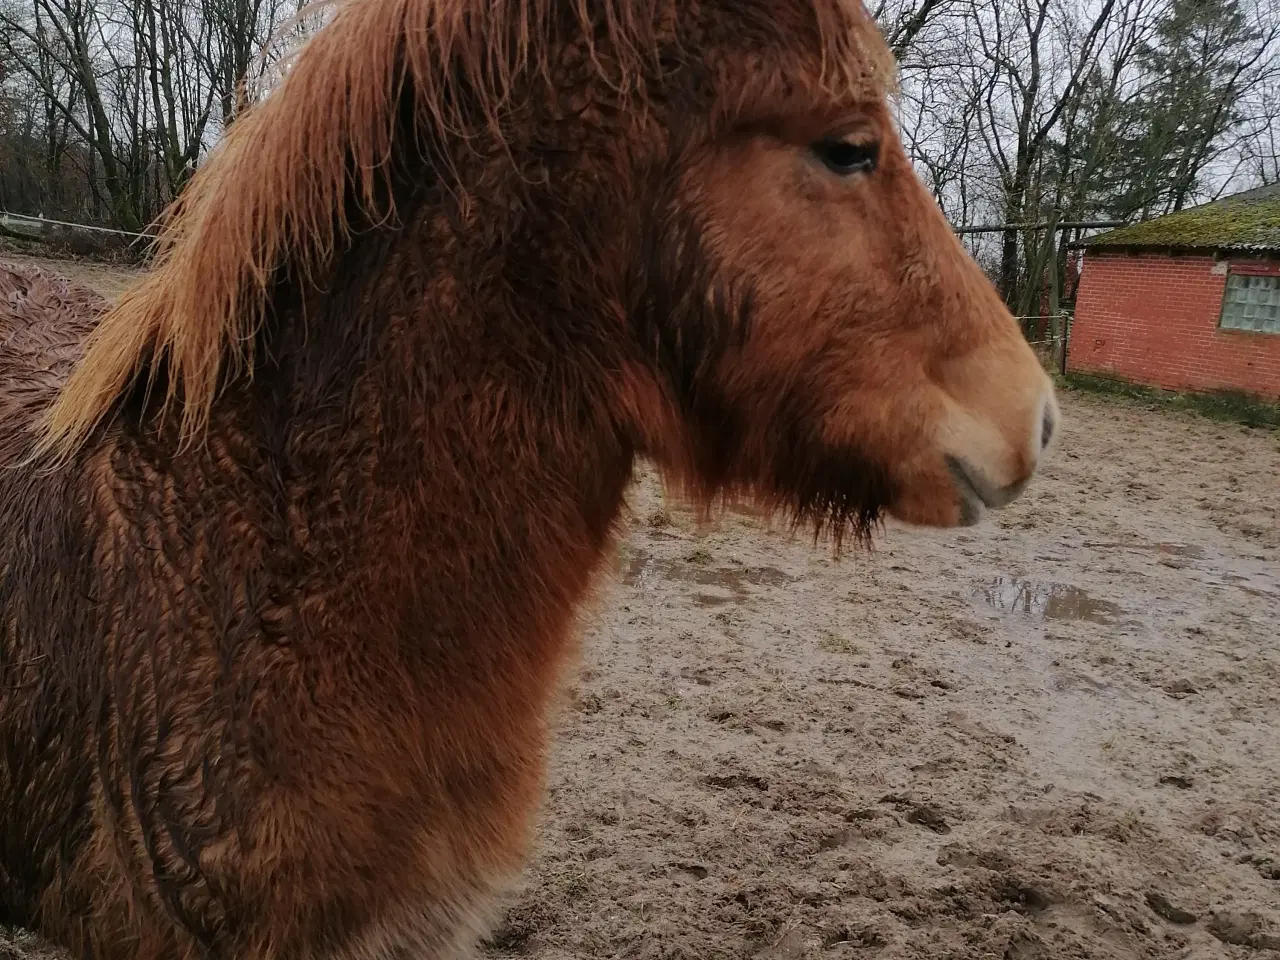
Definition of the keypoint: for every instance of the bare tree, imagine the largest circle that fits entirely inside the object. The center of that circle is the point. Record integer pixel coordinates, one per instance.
(138, 88)
(1259, 144)
(1015, 111)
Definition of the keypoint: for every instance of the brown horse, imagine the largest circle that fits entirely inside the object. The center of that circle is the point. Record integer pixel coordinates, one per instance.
(292, 537)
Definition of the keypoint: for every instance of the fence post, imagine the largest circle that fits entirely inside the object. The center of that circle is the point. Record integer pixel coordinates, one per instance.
(1057, 328)
(1066, 339)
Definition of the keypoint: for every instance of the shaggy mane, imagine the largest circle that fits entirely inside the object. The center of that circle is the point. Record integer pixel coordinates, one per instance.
(276, 189)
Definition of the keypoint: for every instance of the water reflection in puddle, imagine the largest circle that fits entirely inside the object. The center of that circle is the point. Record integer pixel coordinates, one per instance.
(1053, 601)
(724, 584)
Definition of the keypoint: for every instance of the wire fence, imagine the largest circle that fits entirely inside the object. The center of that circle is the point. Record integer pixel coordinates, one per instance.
(1027, 322)
(5, 216)
(1065, 329)
(1052, 347)
(979, 228)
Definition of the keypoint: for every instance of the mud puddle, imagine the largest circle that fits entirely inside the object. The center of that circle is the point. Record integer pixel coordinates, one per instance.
(1050, 601)
(719, 584)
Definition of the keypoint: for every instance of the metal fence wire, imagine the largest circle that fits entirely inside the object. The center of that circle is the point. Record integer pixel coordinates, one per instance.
(1054, 345)
(1027, 323)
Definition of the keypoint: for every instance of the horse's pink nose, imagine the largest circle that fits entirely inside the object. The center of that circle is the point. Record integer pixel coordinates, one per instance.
(990, 465)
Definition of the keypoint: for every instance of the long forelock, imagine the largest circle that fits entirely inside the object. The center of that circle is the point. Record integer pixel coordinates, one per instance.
(276, 191)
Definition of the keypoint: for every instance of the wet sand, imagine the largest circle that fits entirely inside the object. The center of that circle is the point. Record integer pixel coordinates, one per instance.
(1056, 735)
(108, 279)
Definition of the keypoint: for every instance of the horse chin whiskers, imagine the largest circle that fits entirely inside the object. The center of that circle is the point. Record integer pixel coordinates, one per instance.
(976, 491)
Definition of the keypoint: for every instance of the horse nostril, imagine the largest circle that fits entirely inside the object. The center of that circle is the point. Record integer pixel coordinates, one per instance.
(1046, 428)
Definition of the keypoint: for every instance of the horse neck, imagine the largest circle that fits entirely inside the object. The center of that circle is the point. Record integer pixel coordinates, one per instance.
(459, 452)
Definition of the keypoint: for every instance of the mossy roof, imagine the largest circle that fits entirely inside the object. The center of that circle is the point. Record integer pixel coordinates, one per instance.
(1244, 221)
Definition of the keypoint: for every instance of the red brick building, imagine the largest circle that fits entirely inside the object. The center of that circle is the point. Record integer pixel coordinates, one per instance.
(1188, 301)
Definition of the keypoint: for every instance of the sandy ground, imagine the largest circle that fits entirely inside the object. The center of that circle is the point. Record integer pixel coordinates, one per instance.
(1056, 735)
(108, 279)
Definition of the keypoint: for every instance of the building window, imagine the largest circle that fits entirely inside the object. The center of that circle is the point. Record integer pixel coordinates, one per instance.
(1252, 303)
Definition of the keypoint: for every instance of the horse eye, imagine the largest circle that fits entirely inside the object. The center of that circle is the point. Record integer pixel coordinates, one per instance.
(844, 158)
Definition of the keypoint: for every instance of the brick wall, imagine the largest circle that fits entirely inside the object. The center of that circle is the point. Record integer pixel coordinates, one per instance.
(1153, 318)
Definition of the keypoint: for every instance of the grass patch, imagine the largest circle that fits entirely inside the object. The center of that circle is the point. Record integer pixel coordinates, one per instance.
(833, 642)
(1228, 406)
(659, 519)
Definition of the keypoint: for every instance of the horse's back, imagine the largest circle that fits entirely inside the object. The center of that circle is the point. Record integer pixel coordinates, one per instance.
(45, 320)
(44, 776)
